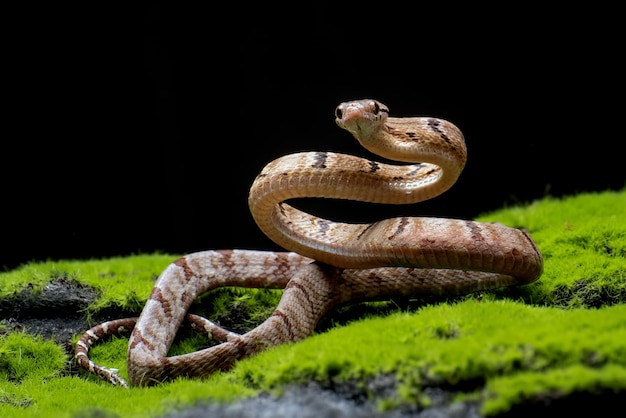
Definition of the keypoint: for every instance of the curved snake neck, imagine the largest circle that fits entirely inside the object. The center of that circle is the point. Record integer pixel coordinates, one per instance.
(354, 262)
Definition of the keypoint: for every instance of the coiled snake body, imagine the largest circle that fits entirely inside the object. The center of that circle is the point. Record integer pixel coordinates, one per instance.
(330, 263)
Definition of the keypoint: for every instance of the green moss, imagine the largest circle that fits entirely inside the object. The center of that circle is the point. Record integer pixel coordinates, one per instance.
(23, 356)
(460, 346)
(238, 309)
(541, 387)
(123, 282)
(76, 397)
(34, 383)
(25, 359)
(564, 334)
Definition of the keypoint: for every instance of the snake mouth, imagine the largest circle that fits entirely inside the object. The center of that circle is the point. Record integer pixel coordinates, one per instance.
(351, 119)
(350, 112)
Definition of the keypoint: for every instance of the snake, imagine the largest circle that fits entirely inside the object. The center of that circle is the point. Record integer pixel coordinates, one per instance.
(327, 263)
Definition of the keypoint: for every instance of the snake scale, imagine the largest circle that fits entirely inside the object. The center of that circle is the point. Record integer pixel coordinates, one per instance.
(328, 263)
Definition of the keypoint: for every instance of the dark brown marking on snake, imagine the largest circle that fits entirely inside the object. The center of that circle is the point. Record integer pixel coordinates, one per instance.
(137, 339)
(118, 326)
(323, 225)
(474, 231)
(431, 171)
(282, 260)
(277, 313)
(303, 290)
(88, 341)
(530, 241)
(225, 253)
(320, 159)
(416, 169)
(390, 129)
(364, 231)
(157, 296)
(182, 263)
(281, 208)
(412, 135)
(401, 225)
(226, 258)
(166, 366)
(435, 126)
(375, 279)
(374, 167)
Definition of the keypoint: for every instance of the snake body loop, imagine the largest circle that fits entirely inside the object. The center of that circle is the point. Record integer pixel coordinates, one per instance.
(436, 149)
(330, 263)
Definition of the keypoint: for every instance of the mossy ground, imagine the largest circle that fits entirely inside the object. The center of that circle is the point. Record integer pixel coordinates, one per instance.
(563, 334)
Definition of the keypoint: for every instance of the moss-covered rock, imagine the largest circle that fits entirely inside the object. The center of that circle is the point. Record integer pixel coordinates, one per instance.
(555, 342)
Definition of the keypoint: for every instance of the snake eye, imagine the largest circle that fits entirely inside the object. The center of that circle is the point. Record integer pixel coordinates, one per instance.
(338, 112)
(376, 107)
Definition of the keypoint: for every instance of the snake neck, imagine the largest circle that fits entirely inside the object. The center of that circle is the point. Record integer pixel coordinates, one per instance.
(419, 140)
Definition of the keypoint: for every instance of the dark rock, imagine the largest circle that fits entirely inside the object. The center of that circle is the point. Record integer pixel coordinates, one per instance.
(313, 401)
(61, 297)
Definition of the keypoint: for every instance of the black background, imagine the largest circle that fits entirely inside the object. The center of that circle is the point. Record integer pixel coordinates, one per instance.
(138, 130)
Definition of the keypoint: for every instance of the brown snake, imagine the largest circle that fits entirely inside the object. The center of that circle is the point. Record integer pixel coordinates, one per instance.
(330, 263)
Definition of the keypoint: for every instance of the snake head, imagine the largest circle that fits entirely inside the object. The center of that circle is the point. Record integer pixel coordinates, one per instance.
(362, 118)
